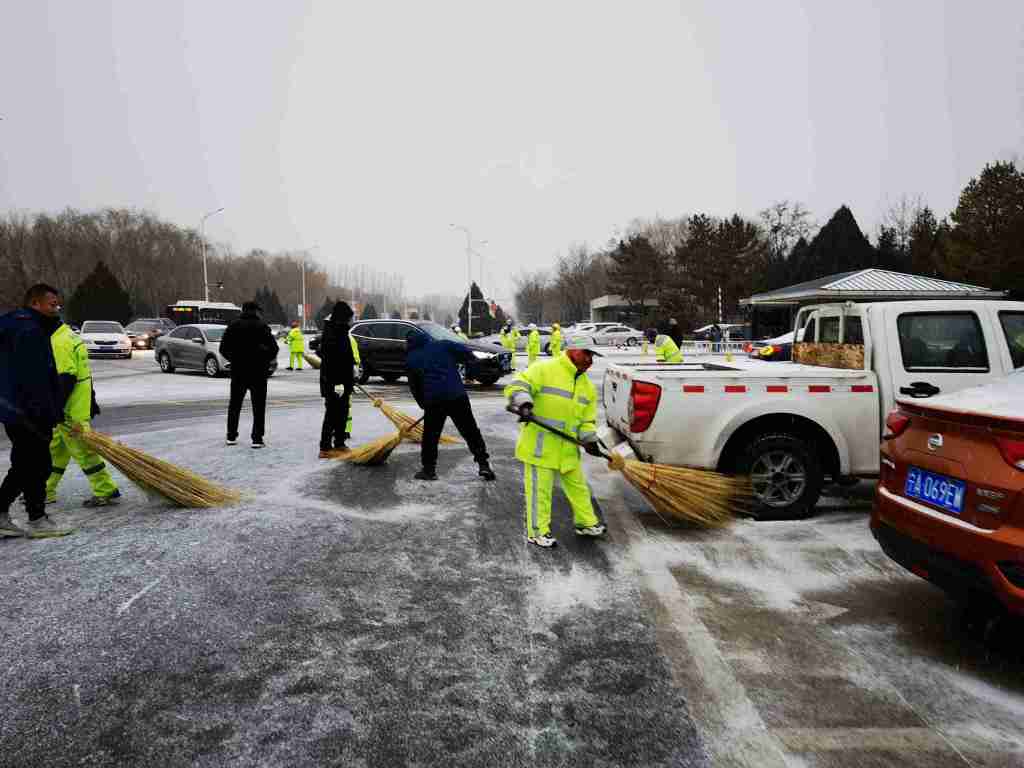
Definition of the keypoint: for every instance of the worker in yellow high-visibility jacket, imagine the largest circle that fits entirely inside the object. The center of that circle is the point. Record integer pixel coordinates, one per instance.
(667, 350)
(533, 344)
(296, 346)
(72, 359)
(355, 376)
(555, 343)
(558, 393)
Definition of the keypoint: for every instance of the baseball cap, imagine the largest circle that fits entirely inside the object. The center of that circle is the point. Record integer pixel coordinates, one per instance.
(582, 342)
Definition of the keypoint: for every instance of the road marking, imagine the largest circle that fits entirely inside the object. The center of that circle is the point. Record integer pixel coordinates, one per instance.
(727, 719)
(121, 609)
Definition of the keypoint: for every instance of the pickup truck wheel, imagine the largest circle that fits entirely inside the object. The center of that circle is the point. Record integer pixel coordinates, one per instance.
(785, 475)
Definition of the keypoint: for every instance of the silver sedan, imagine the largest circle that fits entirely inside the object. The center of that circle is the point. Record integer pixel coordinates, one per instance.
(196, 348)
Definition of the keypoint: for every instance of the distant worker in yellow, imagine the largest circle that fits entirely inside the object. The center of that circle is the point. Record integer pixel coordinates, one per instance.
(557, 393)
(72, 359)
(356, 371)
(296, 346)
(533, 344)
(555, 344)
(666, 349)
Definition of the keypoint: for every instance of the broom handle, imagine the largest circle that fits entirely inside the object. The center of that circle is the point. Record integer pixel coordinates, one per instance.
(564, 435)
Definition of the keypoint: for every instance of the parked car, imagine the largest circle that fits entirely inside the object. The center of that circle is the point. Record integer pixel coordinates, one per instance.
(106, 338)
(792, 425)
(144, 331)
(382, 348)
(615, 336)
(197, 348)
(949, 505)
(779, 348)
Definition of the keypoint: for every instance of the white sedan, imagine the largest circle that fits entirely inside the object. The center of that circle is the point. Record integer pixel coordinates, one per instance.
(617, 336)
(106, 338)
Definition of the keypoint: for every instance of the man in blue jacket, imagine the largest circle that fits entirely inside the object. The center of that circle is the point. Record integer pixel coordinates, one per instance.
(434, 379)
(31, 405)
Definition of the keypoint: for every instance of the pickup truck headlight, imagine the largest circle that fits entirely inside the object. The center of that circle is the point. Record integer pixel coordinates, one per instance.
(482, 355)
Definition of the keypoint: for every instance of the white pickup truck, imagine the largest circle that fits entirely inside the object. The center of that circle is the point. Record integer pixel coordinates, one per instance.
(791, 425)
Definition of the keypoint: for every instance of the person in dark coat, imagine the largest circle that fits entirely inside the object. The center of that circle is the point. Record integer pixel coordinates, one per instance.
(336, 364)
(674, 332)
(31, 405)
(249, 346)
(434, 380)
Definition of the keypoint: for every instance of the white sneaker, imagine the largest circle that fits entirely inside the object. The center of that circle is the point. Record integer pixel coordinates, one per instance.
(543, 540)
(44, 528)
(257, 443)
(8, 528)
(231, 441)
(594, 530)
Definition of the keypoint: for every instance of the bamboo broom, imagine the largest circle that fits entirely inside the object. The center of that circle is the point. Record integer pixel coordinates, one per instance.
(706, 499)
(375, 452)
(161, 477)
(411, 428)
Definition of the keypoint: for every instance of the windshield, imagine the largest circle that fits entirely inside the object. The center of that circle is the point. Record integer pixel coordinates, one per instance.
(94, 326)
(214, 334)
(439, 332)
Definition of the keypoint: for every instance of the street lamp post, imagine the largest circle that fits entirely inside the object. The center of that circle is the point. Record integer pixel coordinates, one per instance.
(202, 243)
(469, 273)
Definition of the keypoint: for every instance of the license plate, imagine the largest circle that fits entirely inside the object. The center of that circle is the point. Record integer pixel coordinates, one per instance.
(942, 491)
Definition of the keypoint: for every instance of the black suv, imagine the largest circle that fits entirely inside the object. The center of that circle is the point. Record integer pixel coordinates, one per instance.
(382, 350)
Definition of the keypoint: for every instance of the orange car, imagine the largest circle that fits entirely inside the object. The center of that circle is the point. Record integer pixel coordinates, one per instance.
(950, 500)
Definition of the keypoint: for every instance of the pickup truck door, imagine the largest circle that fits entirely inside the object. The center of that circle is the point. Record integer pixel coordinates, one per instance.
(939, 347)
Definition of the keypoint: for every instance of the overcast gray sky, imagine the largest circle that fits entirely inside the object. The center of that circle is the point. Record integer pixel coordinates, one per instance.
(369, 127)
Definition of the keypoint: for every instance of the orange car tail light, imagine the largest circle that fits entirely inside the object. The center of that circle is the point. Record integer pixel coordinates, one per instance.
(896, 423)
(1012, 450)
(645, 398)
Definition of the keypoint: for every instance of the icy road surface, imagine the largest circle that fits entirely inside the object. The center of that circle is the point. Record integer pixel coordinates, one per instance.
(351, 616)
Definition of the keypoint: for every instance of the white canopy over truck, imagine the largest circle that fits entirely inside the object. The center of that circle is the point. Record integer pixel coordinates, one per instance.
(792, 425)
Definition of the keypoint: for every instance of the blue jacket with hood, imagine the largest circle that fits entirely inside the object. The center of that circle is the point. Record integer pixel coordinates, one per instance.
(30, 392)
(433, 366)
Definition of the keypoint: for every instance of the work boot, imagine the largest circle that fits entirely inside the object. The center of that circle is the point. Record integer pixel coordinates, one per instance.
(44, 528)
(594, 530)
(425, 474)
(543, 540)
(8, 529)
(486, 472)
(103, 501)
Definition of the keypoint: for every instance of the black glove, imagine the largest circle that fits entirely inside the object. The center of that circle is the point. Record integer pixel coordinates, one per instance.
(592, 448)
(525, 411)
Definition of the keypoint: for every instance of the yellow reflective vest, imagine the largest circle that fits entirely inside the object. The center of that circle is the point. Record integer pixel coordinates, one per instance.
(562, 398)
(556, 342)
(295, 341)
(72, 358)
(355, 350)
(667, 350)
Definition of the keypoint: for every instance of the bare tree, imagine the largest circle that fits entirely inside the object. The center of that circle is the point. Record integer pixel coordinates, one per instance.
(531, 289)
(784, 222)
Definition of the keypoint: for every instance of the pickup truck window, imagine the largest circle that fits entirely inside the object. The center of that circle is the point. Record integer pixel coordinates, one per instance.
(810, 330)
(829, 330)
(951, 341)
(1013, 327)
(853, 330)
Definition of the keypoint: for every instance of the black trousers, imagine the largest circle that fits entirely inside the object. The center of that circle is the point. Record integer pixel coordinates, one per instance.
(332, 433)
(256, 386)
(461, 413)
(30, 467)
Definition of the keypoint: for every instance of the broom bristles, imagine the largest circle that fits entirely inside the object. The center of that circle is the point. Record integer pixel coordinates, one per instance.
(707, 499)
(161, 477)
(403, 421)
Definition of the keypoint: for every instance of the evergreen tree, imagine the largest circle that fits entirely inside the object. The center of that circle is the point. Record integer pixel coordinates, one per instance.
(273, 309)
(99, 297)
(924, 234)
(321, 316)
(483, 323)
(369, 313)
(889, 255)
(636, 272)
(986, 245)
(839, 246)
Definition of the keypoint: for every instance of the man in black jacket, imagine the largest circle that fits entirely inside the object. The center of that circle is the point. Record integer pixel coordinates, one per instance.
(249, 346)
(31, 405)
(336, 373)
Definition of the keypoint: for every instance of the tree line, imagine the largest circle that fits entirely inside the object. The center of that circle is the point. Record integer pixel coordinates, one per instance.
(156, 263)
(697, 267)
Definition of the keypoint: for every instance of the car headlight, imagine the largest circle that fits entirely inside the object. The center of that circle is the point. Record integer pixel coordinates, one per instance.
(482, 355)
